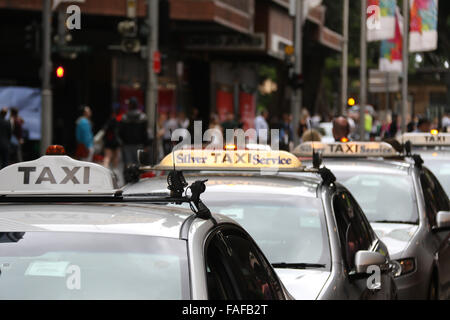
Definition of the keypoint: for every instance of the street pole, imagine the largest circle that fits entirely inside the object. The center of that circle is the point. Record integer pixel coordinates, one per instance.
(344, 70)
(405, 63)
(296, 102)
(363, 72)
(152, 79)
(46, 110)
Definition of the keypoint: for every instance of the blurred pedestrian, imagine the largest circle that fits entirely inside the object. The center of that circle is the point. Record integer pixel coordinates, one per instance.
(170, 125)
(341, 129)
(5, 138)
(394, 127)
(195, 116)
(311, 135)
(17, 135)
(111, 142)
(304, 122)
(214, 122)
(286, 132)
(423, 125)
(183, 123)
(446, 122)
(133, 133)
(230, 122)
(84, 135)
(262, 127)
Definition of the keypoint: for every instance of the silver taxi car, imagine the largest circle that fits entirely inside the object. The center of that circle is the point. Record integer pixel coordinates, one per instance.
(406, 206)
(310, 228)
(66, 232)
(434, 148)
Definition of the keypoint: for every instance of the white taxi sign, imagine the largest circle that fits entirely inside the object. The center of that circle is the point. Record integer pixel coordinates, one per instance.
(427, 139)
(59, 175)
(347, 149)
(229, 160)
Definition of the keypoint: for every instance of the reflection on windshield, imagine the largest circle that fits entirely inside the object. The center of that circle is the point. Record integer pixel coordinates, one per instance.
(289, 229)
(55, 265)
(441, 169)
(382, 197)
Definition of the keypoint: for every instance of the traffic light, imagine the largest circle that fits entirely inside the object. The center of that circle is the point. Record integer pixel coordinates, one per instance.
(60, 72)
(351, 102)
(296, 81)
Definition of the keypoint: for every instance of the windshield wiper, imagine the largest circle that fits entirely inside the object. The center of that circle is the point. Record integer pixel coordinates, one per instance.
(284, 265)
(395, 221)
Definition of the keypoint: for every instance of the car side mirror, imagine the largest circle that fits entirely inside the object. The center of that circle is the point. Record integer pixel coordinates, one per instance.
(364, 259)
(442, 221)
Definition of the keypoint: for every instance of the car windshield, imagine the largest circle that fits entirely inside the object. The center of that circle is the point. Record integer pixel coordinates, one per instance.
(441, 169)
(289, 229)
(383, 197)
(60, 265)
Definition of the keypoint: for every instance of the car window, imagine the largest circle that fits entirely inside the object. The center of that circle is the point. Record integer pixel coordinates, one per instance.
(221, 284)
(66, 265)
(288, 228)
(365, 230)
(352, 234)
(441, 169)
(435, 198)
(383, 197)
(255, 278)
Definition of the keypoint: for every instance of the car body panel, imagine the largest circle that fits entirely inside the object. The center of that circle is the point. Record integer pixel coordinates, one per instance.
(407, 241)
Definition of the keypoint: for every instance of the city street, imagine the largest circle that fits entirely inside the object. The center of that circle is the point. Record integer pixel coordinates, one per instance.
(224, 150)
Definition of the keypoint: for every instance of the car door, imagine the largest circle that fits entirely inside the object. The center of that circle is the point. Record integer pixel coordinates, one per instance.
(233, 257)
(355, 235)
(387, 289)
(437, 200)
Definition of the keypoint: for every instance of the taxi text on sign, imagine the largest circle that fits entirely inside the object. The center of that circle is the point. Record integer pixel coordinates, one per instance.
(427, 139)
(348, 149)
(56, 175)
(229, 160)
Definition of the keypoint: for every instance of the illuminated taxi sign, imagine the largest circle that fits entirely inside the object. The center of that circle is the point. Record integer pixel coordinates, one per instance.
(427, 139)
(229, 160)
(348, 149)
(56, 175)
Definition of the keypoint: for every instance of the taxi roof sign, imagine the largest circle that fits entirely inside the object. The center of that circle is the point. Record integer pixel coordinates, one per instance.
(61, 175)
(236, 160)
(347, 149)
(427, 139)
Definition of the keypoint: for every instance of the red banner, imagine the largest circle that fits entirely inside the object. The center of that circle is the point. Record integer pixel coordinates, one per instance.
(247, 109)
(224, 103)
(166, 101)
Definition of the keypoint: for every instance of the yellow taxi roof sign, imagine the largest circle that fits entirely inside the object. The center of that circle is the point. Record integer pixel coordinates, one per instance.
(347, 149)
(247, 160)
(427, 139)
(57, 175)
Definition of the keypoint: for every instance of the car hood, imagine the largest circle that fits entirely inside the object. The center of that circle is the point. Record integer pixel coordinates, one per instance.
(303, 284)
(394, 235)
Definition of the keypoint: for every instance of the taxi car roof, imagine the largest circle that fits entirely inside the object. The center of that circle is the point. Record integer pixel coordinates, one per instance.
(302, 184)
(428, 153)
(385, 166)
(121, 218)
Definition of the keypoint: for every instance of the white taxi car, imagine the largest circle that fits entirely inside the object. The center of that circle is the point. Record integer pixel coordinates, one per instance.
(434, 148)
(406, 206)
(310, 227)
(67, 232)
